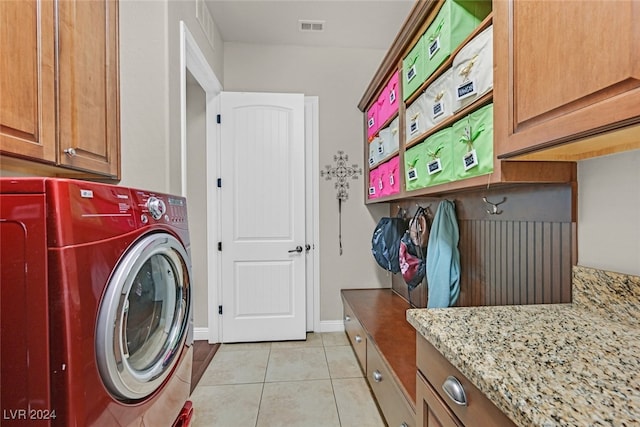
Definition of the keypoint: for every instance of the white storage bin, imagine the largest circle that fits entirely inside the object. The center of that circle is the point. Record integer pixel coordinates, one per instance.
(374, 158)
(473, 69)
(416, 118)
(395, 133)
(389, 140)
(439, 99)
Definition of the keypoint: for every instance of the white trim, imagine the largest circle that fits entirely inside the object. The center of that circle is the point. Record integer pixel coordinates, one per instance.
(331, 326)
(192, 59)
(201, 334)
(312, 149)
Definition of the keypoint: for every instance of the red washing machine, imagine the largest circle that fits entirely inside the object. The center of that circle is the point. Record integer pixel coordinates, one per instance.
(96, 313)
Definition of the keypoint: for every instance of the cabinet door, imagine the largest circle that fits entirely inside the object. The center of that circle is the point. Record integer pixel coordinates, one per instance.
(88, 86)
(27, 83)
(431, 411)
(564, 70)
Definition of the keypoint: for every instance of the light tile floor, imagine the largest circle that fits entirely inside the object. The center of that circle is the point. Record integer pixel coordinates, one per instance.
(314, 383)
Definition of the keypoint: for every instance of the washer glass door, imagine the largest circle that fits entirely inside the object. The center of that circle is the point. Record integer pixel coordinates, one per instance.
(144, 317)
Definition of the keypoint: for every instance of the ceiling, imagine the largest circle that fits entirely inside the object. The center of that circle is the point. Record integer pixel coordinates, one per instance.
(347, 23)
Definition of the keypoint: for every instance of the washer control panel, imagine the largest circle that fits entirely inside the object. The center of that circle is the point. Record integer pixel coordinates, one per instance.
(160, 208)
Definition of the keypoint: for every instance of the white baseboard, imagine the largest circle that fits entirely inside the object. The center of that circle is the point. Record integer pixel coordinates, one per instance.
(331, 326)
(201, 334)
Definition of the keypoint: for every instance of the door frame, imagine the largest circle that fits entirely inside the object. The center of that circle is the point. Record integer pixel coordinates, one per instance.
(312, 211)
(193, 60)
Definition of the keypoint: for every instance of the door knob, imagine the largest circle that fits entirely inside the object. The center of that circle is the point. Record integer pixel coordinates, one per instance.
(71, 152)
(297, 249)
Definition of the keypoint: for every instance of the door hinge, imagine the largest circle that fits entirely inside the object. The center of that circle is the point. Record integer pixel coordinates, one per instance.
(218, 119)
(219, 309)
(220, 246)
(219, 182)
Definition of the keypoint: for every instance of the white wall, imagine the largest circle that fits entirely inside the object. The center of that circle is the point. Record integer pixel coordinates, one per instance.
(338, 77)
(150, 89)
(150, 113)
(609, 213)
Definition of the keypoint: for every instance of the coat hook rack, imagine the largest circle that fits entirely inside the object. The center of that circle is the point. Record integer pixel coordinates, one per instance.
(494, 206)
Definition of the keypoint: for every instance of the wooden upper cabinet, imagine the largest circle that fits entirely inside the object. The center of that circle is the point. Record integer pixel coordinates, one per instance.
(88, 86)
(27, 79)
(566, 71)
(59, 91)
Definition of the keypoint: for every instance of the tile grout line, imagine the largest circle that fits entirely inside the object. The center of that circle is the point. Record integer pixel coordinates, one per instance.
(333, 390)
(264, 380)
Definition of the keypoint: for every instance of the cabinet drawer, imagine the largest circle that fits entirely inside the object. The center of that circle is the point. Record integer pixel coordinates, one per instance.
(394, 405)
(357, 337)
(479, 410)
(431, 411)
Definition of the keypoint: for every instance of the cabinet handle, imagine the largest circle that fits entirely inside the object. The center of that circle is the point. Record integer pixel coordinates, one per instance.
(71, 152)
(358, 338)
(455, 391)
(377, 376)
(404, 424)
(347, 318)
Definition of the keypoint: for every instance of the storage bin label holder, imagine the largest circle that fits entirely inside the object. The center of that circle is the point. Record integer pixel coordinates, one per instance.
(470, 159)
(468, 87)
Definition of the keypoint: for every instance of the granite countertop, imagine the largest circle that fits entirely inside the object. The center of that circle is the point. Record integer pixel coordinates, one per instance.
(572, 364)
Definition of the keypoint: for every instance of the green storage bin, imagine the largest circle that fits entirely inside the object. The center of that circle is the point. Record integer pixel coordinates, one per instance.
(454, 22)
(473, 144)
(413, 70)
(438, 161)
(415, 167)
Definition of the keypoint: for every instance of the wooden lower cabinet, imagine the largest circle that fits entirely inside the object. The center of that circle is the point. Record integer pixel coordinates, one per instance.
(431, 411)
(384, 344)
(396, 409)
(357, 336)
(435, 408)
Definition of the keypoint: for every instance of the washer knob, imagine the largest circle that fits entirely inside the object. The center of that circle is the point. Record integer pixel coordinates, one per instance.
(156, 207)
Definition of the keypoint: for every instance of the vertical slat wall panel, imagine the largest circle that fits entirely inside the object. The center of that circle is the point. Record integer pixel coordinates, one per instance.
(522, 256)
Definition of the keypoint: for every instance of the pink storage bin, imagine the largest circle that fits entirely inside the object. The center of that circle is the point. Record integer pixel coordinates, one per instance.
(384, 187)
(393, 176)
(372, 121)
(374, 183)
(388, 99)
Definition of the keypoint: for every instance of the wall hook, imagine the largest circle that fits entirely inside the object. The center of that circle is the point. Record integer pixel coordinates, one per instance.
(494, 206)
(426, 209)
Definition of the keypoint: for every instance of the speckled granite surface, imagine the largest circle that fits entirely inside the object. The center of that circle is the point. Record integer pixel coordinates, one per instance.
(551, 365)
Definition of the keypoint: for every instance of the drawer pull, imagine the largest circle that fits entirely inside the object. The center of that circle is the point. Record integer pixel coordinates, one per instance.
(455, 391)
(347, 318)
(358, 339)
(377, 376)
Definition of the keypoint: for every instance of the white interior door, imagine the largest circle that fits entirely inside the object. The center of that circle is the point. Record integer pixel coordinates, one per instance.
(263, 217)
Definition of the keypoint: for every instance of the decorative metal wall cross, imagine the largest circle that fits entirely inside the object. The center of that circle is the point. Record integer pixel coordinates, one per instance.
(342, 172)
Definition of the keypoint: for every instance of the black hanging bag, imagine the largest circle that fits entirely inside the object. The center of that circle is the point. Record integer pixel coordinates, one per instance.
(385, 243)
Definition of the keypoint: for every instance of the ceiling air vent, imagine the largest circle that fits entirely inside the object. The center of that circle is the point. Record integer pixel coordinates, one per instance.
(310, 26)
